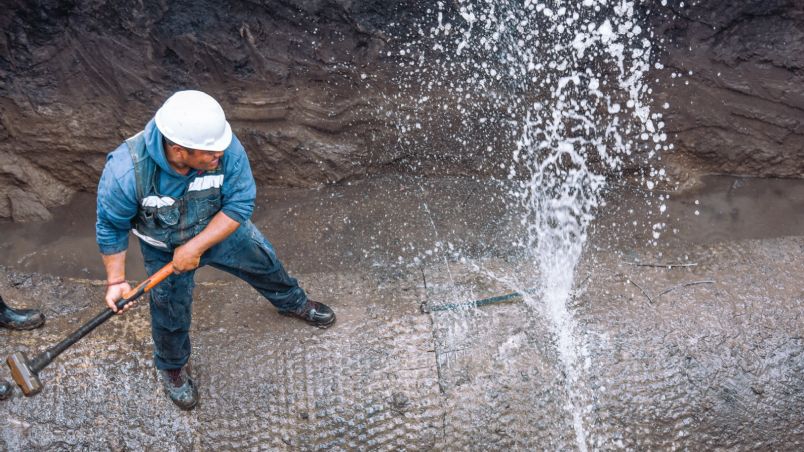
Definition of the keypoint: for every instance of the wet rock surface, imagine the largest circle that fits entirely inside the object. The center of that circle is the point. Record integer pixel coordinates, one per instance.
(725, 355)
(318, 91)
(732, 77)
(667, 363)
(302, 83)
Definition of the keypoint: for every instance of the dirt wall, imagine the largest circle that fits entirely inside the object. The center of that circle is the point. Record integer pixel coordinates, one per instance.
(732, 75)
(311, 88)
(298, 81)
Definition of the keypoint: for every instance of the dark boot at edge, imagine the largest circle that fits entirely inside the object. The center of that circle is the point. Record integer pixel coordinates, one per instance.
(19, 319)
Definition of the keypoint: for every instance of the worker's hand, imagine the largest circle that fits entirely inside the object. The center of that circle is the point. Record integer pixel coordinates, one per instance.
(114, 293)
(186, 258)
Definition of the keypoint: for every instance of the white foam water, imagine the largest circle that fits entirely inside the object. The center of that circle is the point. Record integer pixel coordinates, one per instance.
(561, 88)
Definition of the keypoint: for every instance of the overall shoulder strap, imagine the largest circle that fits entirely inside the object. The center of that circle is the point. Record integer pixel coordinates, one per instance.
(143, 164)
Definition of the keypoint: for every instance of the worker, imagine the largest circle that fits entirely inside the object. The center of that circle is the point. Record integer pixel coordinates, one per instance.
(17, 319)
(184, 187)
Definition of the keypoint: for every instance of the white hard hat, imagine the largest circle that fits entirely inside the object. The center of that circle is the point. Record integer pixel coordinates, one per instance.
(194, 120)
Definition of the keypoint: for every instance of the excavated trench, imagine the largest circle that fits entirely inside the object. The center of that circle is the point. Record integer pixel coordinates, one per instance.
(703, 354)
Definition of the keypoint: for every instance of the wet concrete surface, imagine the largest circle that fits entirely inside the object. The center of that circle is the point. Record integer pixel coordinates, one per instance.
(667, 365)
(716, 365)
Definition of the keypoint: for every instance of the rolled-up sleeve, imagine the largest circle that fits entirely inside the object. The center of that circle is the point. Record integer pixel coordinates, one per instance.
(239, 190)
(116, 206)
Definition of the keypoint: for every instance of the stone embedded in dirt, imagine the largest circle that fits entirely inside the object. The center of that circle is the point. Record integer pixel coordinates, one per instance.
(26, 206)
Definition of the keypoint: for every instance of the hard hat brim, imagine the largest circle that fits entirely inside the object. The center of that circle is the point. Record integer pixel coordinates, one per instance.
(221, 144)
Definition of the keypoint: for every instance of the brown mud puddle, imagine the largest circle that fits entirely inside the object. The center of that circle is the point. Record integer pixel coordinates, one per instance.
(390, 220)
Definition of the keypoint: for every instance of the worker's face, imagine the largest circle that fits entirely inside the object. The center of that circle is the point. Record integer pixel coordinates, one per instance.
(203, 160)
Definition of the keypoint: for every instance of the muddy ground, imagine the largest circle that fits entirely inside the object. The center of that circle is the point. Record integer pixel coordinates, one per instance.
(666, 364)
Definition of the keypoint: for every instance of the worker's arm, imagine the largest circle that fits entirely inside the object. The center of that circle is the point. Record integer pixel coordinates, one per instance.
(239, 190)
(117, 205)
(116, 284)
(237, 196)
(185, 258)
(188, 256)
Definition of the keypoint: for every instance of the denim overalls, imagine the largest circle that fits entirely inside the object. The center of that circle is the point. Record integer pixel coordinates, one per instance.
(163, 223)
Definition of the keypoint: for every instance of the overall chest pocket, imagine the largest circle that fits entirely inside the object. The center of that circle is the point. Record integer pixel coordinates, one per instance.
(208, 206)
(147, 218)
(169, 215)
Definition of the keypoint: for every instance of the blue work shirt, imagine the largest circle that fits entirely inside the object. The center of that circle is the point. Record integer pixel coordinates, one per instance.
(117, 189)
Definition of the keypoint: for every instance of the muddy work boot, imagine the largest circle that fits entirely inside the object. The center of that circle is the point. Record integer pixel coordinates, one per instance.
(314, 313)
(19, 319)
(179, 387)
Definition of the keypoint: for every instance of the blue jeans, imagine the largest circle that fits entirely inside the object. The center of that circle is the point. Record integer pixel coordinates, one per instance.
(246, 254)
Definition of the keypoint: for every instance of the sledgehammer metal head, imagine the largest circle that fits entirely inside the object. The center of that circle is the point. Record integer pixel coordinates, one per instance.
(26, 372)
(26, 377)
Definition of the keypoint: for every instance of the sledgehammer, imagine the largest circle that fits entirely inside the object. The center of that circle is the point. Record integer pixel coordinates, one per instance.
(26, 373)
